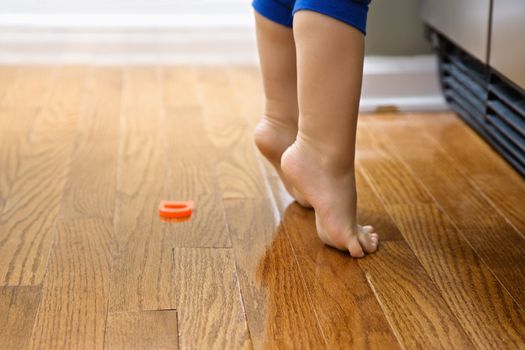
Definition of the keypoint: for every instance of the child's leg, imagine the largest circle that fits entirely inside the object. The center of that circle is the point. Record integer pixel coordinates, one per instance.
(277, 129)
(320, 164)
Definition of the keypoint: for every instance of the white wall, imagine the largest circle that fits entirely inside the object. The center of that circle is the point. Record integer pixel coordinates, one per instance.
(126, 13)
(125, 6)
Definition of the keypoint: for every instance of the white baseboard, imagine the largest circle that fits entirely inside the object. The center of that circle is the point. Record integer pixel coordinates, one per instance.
(402, 83)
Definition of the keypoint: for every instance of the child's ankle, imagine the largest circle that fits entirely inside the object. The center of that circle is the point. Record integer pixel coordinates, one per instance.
(329, 157)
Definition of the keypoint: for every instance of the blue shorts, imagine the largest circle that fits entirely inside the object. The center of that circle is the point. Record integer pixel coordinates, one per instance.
(352, 12)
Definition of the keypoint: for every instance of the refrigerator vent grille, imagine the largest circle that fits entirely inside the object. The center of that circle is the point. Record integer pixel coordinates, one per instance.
(484, 99)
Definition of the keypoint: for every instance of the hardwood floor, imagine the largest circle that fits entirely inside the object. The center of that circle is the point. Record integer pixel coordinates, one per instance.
(87, 153)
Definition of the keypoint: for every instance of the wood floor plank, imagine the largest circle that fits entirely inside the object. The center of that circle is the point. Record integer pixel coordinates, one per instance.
(457, 139)
(186, 132)
(249, 92)
(230, 132)
(239, 171)
(499, 245)
(31, 87)
(91, 187)
(488, 170)
(18, 307)
(7, 77)
(209, 306)
(484, 308)
(73, 311)
(76, 286)
(372, 155)
(16, 127)
(410, 300)
(370, 211)
(142, 267)
(218, 100)
(193, 178)
(278, 306)
(192, 175)
(142, 330)
(425, 319)
(346, 307)
(507, 196)
(180, 88)
(17, 116)
(26, 224)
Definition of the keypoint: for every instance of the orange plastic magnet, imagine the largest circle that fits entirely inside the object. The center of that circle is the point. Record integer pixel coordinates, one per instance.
(175, 209)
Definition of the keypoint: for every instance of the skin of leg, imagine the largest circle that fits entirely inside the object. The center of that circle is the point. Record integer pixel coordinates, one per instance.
(277, 130)
(320, 163)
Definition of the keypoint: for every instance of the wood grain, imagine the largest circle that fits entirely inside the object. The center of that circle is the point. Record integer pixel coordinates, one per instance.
(16, 125)
(277, 304)
(413, 305)
(155, 330)
(72, 314)
(26, 224)
(18, 306)
(87, 153)
(91, 187)
(192, 175)
(249, 93)
(207, 226)
(373, 156)
(230, 132)
(499, 245)
(210, 309)
(488, 171)
(346, 308)
(17, 86)
(370, 210)
(411, 302)
(482, 305)
(142, 269)
(31, 87)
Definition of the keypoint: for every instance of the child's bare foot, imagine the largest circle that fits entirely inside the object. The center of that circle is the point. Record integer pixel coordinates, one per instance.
(329, 185)
(273, 137)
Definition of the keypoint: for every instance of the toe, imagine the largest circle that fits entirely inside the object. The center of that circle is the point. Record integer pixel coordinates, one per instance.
(368, 242)
(367, 229)
(355, 248)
